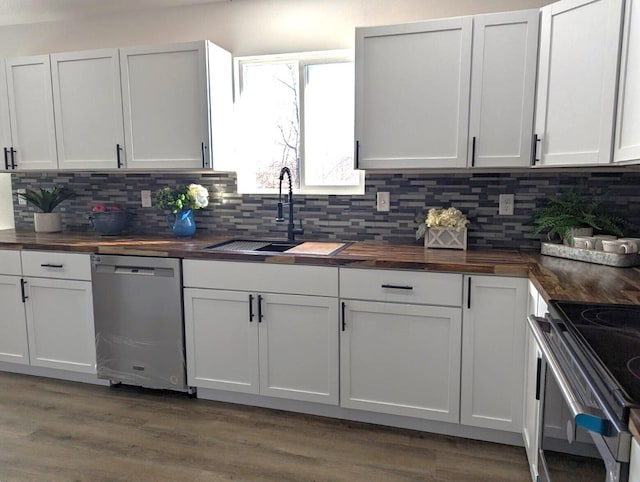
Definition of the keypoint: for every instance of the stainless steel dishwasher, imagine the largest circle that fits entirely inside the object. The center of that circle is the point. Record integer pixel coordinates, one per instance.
(137, 307)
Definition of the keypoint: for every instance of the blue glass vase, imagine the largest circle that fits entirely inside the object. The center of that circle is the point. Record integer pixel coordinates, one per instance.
(182, 224)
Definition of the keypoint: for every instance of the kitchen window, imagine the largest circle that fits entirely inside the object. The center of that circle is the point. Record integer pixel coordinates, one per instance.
(296, 111)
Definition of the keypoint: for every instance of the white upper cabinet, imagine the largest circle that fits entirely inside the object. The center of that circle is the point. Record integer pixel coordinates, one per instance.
(412, 94)
(577, 77)
(5, 126)
(168, 95)
(88, 109)
(627, 140)
(505, 49)
(31, 113)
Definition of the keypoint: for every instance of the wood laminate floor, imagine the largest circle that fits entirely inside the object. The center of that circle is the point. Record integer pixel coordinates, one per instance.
(52, 430)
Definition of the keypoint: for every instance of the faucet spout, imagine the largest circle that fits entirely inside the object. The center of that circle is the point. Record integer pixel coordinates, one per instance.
(291, 229)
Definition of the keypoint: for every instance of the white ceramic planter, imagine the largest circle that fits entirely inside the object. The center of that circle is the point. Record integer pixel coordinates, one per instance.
(446, 238)
(47, 222)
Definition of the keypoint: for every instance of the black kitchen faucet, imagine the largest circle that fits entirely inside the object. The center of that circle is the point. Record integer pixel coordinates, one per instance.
(291, 229)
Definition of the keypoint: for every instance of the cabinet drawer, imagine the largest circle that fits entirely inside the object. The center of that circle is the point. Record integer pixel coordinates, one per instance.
(10, 262)
(401, 286)
(48, 264)
(262, 277)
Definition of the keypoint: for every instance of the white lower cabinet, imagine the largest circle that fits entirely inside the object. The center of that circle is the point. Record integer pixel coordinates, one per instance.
(60, 324)
(401, 359)
(531, 422)
(275, 344)
(493, 333)
(398, 354)
(14, 347)
(634, 465)
(59, 310)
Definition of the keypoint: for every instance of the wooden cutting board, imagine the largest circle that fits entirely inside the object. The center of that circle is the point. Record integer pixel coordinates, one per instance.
(311, 247)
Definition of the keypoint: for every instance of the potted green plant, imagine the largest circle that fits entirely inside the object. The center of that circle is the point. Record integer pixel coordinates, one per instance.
(46, 200)
(569, 212)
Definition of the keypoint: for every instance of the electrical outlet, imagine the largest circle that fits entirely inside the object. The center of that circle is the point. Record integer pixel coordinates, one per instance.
(145, 198)
(382, 203)
(21, 200)
(506, 205)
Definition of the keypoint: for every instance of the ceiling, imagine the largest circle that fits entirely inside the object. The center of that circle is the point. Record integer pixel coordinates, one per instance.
(34, 11)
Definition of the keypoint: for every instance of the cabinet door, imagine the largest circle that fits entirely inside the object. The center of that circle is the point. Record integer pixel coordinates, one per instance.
(60, 324)
(13, 325)
(5, 125)
(165, 102)
(532, 386)
(577, 77)
(298, 339)
(401, 359)
(494, 320)
(634, 464)
(221, 339)
(31, 112)
(627, 141)
(88, 109)
(505, 51)
(412, 94)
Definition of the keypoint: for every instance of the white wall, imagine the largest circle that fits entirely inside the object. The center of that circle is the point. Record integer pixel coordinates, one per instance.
(6, 202)
(244, 27)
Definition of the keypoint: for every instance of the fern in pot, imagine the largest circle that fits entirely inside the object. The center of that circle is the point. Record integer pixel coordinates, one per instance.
(574, 214)
(46, 200)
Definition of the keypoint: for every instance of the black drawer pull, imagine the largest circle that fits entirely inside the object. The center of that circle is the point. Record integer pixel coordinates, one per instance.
(250, 308)
(260, 316)
(12, 151)
(397, 287)
(344, 320)
(6, 159)
(118, 149)
(49, 265)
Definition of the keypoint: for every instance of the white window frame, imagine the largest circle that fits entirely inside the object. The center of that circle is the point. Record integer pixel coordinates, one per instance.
(304, 59)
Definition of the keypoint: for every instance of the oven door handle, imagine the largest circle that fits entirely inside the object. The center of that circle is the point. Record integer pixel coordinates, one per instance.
(585, 417)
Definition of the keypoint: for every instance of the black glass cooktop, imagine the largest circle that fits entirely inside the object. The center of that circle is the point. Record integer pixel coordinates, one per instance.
(613, 334)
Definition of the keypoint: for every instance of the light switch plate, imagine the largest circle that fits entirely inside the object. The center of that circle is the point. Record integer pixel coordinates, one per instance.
(506, 205)
(21, 200)
(382, 203)
(145, 198)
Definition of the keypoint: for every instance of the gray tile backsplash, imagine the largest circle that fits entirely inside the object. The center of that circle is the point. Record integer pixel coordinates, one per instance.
(349, 218)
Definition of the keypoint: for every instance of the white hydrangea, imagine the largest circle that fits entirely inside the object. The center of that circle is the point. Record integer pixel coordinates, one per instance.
(446, 218)
(199, 194)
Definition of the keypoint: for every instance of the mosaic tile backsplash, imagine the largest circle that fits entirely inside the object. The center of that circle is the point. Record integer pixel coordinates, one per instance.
(342, 217)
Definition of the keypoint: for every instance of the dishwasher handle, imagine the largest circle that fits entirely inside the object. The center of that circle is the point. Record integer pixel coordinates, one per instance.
(135, 270)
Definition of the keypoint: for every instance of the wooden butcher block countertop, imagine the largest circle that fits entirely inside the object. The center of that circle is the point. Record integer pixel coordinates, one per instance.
(555, 278)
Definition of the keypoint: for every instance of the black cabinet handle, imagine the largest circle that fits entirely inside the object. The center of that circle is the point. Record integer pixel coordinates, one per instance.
(344, 320)
(203, 148)
(13, 159)
(118, 149)
(473, 151)
(469, 292)
(534, 154)
(250, 308)
(538, 377)
(22, 290)
(397, 287)
(6, 159)
(357, 154)
(49, 265)
(259, 308)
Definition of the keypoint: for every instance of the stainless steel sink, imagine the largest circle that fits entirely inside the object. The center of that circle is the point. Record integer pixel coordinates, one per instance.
(248, 245)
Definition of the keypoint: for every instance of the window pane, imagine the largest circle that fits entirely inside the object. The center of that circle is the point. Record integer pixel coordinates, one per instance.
(270, 120)
(328, 124)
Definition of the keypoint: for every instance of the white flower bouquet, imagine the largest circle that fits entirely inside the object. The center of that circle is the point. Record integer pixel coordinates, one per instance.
(193, 196)
(443, 228)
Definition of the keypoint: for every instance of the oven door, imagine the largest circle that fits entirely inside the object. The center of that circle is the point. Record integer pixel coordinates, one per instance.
(572, 421)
